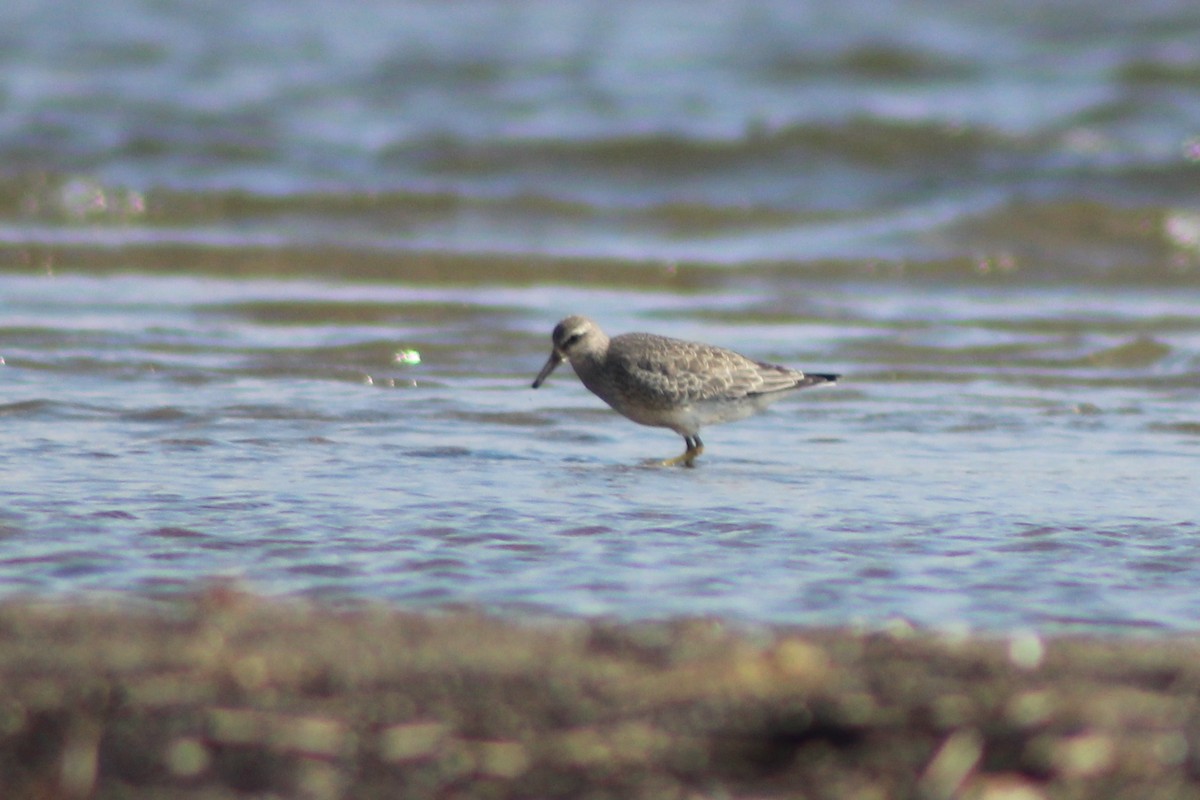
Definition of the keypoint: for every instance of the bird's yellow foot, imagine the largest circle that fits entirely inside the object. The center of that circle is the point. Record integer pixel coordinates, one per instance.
(687, 459)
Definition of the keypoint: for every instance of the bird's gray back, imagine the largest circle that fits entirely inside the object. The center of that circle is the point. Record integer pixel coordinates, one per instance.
(662, 371)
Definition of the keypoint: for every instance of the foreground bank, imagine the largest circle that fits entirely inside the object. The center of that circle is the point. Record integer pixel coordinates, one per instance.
(227, 695)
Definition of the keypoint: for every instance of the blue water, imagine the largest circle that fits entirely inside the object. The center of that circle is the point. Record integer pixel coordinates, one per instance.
(275, 279)
(716, 132)
(164, 430)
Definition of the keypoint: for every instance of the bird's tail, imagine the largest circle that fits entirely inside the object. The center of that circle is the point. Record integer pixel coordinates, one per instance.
(816, 379)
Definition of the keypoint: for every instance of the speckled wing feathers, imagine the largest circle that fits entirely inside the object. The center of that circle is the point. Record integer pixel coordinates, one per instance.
(677, 372)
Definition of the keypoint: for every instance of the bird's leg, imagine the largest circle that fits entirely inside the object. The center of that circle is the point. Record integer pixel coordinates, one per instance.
(694, 448)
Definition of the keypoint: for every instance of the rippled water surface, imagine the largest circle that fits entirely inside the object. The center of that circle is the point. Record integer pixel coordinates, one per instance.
(1020, 457)
(275, 279)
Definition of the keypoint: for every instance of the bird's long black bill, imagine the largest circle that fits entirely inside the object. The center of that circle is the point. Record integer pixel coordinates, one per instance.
(552, 362)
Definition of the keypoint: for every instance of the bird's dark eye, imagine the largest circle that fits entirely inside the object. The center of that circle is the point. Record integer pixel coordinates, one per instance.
(572, 339)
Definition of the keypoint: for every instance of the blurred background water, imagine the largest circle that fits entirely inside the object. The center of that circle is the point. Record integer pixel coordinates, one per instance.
(275, 277)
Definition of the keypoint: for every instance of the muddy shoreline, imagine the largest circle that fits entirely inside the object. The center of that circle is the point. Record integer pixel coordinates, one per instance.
(228, 695)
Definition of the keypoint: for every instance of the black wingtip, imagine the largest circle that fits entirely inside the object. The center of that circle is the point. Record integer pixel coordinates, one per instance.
(828, 377)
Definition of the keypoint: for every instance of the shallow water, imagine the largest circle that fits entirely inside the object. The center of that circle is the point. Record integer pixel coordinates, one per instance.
(1002, 463)
(273, 286)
